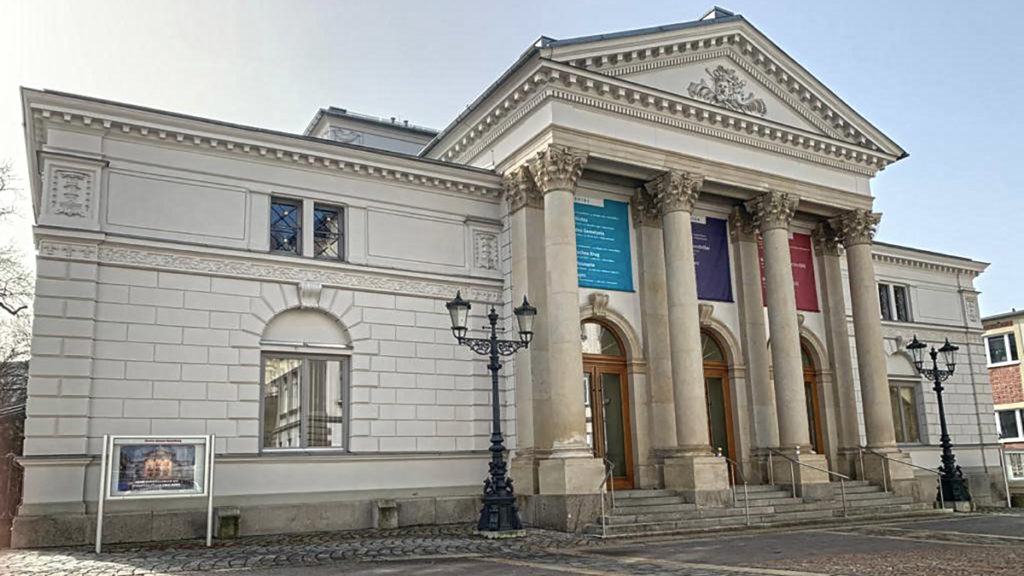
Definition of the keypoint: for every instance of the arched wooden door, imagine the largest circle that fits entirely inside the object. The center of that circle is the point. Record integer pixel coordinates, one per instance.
(716, 388)
(606, 397)
(814, 424)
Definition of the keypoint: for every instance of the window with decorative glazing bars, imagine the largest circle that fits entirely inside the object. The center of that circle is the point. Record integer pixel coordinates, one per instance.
(328, 236)
(1015, 465)
(285, 226)
(894, 302)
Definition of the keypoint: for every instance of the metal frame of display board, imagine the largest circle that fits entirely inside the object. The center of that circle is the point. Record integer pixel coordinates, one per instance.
(107, 467)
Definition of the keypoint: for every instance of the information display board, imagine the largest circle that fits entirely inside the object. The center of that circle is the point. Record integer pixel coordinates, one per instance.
(711, 257)
(802, 257)
(152, 467)
(156, 467)
(603, 257)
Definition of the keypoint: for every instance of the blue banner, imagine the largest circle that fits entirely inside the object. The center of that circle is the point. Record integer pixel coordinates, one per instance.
(711, 255)
(603, 256)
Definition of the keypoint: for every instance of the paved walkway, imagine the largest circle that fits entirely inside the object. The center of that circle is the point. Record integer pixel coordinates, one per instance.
(967, 545)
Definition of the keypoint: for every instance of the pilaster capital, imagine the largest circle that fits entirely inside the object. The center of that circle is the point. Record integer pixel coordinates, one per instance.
(557, 168)
(741, 225)
(675, 190)
(520, 190)
(856, 226)
(772, 209)
(645, 211)
(826, 240)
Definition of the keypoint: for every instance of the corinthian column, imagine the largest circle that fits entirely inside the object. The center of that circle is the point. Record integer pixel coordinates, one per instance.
(772, 212)
(654, 310)
(694, 471)
(837, 336)
(571, 468)
(753, 329)
(856, 229)
(526, 232)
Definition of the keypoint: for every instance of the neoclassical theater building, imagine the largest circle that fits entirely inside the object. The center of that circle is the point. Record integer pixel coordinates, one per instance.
(689, 209)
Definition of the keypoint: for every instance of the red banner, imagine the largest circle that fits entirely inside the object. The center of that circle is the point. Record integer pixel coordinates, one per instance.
(802, 255)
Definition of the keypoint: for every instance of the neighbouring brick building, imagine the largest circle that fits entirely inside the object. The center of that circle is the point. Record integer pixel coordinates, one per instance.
(688, 207)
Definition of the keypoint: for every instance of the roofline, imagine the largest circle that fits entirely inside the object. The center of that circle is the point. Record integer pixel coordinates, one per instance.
(931, 253)
(547, 42)
(367, 119)
(26, 92)
(642, 31)
(1002, 316)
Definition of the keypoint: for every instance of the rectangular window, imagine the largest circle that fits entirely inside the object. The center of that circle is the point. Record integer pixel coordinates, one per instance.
(285, 226)
(884, 302)
(894, 302)
(328, 236)
(1009, 424)
(1001, 349)
(304, 401)
(1015, 465)
(903, 399)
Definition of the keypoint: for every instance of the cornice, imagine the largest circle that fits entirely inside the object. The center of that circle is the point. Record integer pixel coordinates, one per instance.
(923, 264)
(582, 87)
(306, 152)
(254, 266)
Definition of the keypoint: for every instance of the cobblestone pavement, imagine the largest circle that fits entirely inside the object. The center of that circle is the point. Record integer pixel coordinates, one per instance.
(975, 545)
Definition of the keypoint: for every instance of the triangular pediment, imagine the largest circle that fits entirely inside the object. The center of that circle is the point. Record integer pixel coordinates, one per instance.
(724, 61)
(722, 81)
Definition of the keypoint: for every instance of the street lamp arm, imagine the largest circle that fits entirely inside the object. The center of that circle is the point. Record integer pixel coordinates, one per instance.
(482, 346)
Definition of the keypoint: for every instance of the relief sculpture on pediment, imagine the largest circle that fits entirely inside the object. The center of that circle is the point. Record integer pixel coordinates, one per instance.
(727, 90)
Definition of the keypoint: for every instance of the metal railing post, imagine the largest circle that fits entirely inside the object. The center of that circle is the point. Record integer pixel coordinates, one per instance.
(885, 474)
(771, 470)
(746, 502)
(792, 472)
(860, 453)
(842, 486)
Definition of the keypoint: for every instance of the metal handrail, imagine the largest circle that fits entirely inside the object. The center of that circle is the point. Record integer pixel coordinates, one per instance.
(885, 471)
(734, 468)
(842, 477)
(607, 486)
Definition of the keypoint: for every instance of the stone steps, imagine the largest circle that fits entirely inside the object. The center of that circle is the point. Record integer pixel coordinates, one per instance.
(640, 512)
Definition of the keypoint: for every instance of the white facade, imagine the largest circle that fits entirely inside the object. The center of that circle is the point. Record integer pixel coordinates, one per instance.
(160, 297)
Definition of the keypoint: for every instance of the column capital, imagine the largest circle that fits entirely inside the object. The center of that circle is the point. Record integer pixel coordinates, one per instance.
(675, 191)
(645, 211)
(826, 239)
(772, 209)
(741, 225)
(520, 190)
(856, 226)
(557, 168)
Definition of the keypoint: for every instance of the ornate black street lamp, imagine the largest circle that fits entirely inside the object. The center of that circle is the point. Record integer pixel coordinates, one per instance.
(499, 513)
(952, 478)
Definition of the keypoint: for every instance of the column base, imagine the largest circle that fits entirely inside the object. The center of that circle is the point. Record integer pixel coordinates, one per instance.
(811, 484)
(700, 479)
(579, 475)
(847, 462)
(522, 469)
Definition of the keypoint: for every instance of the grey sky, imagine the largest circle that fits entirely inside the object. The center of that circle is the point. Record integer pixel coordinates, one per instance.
(941, 78)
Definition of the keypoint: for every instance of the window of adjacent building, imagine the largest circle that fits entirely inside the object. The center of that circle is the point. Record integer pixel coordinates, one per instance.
(1015, 465)
(304, 401)
(1001, 349)
(285, 226)
(1009, 425)
(894, 302)
(327, 232)
(903, 399)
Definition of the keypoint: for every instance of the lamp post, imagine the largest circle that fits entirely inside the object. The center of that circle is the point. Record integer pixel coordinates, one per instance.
(952, 478)
(499, 513)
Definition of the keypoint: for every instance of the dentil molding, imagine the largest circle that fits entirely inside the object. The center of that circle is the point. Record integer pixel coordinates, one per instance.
(305, 275)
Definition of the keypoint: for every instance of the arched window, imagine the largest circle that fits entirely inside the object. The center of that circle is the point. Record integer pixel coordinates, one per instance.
(712, 351)
(598, 339)
(304, 382)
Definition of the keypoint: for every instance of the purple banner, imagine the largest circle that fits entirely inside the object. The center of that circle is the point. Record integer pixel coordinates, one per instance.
(711, 255)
